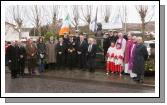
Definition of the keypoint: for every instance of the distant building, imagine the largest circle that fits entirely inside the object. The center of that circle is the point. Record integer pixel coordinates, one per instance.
(12, 34)
(150, 26)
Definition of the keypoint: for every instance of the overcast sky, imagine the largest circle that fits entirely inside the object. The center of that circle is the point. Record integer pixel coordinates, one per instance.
(132, 15)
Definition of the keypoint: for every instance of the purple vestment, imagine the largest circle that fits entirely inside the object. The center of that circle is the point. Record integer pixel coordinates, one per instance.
(131, 59)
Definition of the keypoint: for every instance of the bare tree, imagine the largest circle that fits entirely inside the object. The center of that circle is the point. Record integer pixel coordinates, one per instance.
(55, 12)
(87, 13)
(36, 18)
(76, 15)
(18, 15)
(144, 11)
(106, 12)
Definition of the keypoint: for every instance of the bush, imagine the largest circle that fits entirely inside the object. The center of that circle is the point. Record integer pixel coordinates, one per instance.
(48, 35)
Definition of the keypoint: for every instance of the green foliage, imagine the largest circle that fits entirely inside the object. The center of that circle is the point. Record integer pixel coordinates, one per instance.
(48, 35)
(35, 32)
(148, 37)
(150, 64)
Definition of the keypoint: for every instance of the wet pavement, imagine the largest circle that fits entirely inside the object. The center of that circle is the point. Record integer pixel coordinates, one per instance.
(76, 81)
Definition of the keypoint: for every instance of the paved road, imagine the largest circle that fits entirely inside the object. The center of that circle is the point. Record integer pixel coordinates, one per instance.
(56, 85)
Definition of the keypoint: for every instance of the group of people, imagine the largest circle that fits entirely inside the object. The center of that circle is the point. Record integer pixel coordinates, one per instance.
(69, 51)
(125, 54)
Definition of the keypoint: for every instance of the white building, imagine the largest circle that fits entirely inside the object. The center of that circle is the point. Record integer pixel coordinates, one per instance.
(11, 34)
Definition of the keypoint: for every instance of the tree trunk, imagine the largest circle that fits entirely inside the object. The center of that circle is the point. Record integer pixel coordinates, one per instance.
(143, 26)
(19, 34)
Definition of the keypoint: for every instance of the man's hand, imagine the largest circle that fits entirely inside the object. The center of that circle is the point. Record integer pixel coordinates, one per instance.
(32, 54)
(21, 56)
(79, 52)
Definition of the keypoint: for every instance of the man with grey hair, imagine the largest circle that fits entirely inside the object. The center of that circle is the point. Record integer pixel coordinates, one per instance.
(121, 41)
(91, 55)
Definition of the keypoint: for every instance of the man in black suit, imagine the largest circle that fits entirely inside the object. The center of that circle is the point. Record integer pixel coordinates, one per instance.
(105, 44)
(13, 59)
(66, 41)
(22, 57)
(81, 51)
(91, 55)
(71, 48)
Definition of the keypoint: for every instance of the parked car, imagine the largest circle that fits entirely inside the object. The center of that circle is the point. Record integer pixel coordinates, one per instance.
(150, 45)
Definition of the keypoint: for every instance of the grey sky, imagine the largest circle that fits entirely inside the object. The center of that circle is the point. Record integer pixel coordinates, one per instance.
(132, 15)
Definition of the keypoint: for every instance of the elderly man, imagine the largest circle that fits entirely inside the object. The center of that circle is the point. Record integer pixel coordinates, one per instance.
(91, 55)
(81, 51)
(140, 57)
(121, 41)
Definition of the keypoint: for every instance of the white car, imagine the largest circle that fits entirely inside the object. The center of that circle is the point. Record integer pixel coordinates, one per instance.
(147, 44)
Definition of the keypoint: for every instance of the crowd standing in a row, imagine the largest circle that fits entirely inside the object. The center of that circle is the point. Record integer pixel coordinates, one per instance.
(68, 51)
(122, 53)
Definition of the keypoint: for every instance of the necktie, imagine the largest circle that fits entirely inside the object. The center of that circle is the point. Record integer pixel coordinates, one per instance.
(90, 47)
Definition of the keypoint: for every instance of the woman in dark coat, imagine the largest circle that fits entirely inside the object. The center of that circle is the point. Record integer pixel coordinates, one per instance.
(41, 51)
(140, 57)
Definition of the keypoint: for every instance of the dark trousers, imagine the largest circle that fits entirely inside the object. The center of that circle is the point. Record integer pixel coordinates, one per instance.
(60, 61)
(140, 76)
(14, 73)
(91, 64)
(21, 67)
(82, 61)
(71, 60)
(51, 66)
(14, 69)
(41, 65)
(31, 65)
